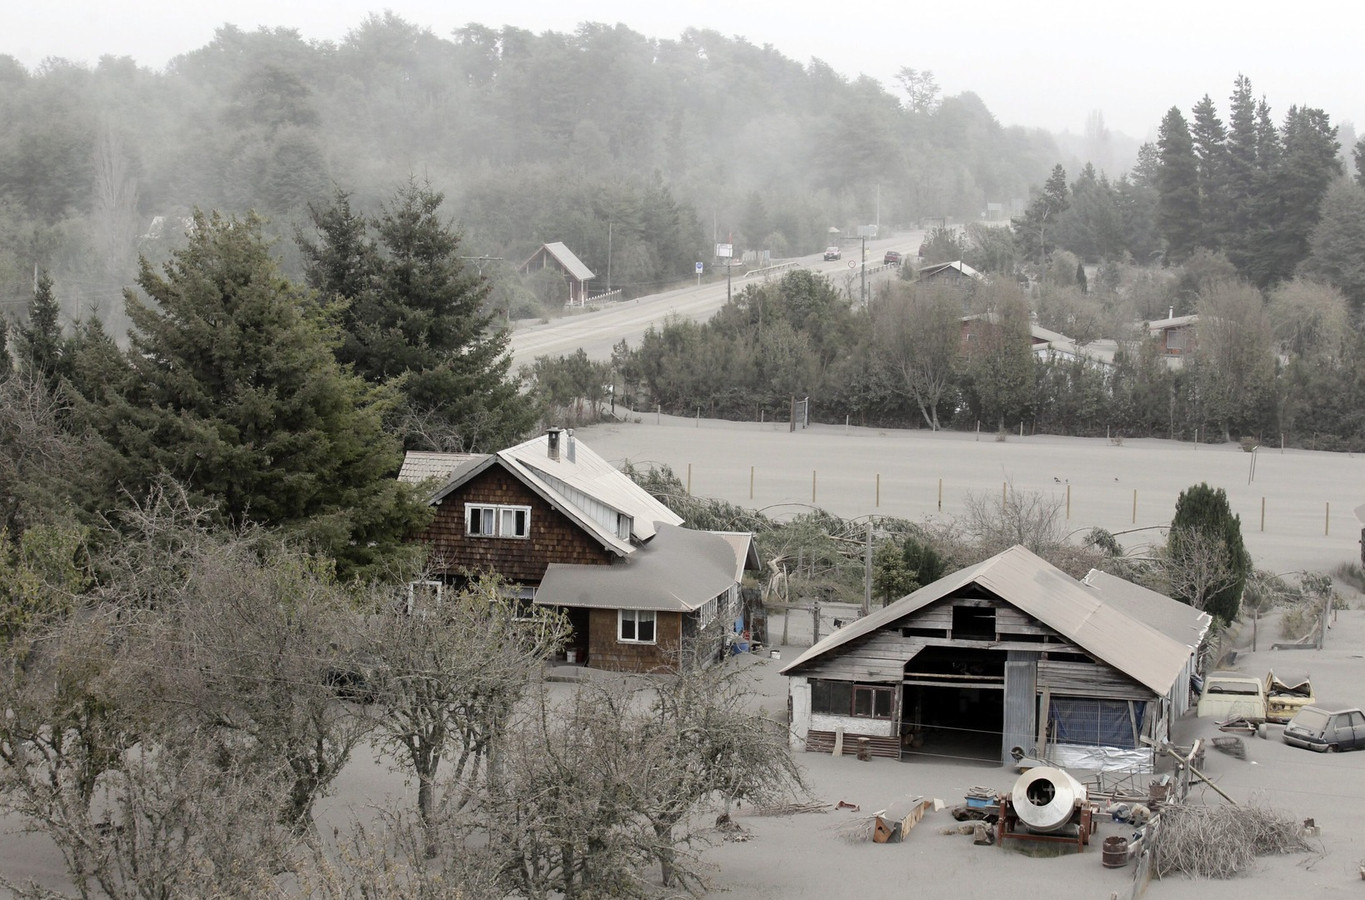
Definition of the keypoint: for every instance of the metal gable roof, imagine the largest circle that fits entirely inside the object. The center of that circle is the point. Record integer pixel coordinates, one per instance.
(679, 571)
(1178, 621)
(566, 258)
(1039, 589)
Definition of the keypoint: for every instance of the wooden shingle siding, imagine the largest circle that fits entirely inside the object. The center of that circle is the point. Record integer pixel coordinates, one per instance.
(606, 652)
(554, 538)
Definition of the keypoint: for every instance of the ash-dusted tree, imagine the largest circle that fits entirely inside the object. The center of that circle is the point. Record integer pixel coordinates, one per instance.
(415, 315)
(1179, 218)
(230, 386)
(620, 775)
(250, 636)
(449, 666)
(918, 334)
(1206, 561)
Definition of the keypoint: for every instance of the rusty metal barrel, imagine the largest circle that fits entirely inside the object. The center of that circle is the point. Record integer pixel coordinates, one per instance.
(1115, 853)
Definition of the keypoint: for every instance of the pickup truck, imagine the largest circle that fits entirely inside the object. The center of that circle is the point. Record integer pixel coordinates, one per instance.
(1286, 696)
(1230, 695)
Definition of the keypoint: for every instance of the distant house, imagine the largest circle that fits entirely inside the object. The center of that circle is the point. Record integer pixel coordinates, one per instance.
(956, 272)
(1045, 343)
(566, 529)
(559, 257)
(1175, 336)
(1008, 657)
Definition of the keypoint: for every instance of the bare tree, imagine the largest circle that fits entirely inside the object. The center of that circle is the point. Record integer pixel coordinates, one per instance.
(918, 334)
(448, 672)
(1015, 517)
(1198, 567)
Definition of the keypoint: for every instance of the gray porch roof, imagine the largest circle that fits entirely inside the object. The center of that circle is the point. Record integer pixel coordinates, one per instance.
(678, 571)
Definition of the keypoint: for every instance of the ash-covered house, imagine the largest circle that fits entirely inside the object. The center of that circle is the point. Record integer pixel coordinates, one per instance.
(1008, 657)
(566, 529)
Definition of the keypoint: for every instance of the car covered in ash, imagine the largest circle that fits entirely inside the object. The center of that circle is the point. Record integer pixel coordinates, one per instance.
(833, 252)
(1326, 731)
(1285, 696)
(1232, 695)
(892, 258)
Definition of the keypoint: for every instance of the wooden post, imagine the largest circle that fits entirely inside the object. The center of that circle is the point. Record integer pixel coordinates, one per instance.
(878, 504)
(1134, 506)
(1044, 711)
(940, 495)
(1327, 520)
(1004, 496)
(751, 482)
(812, 485)
(1021, 428)
(689, 479)
(1263, 514)
(658, 414)
(1068, 502)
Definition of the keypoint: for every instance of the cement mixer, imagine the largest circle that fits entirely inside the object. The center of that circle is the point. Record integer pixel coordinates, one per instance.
(1047, 804)
(1045, 799)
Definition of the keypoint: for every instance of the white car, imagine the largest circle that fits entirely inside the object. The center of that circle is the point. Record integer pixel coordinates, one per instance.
(833, 253)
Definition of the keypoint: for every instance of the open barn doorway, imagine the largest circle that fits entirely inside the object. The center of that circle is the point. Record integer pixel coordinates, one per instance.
(953, 705)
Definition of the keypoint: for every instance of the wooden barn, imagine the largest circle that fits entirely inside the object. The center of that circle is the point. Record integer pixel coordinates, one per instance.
(1009, 657)
(566, 529)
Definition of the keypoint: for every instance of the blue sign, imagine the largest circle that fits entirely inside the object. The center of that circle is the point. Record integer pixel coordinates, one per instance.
(698, 268)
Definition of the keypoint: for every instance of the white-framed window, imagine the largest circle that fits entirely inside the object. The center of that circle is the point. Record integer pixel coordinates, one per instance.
(706, 613)
(492, 520)
(422, 595)
(635, 626)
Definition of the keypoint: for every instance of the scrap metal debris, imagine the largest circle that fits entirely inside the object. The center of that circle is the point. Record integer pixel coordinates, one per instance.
(1232, 746)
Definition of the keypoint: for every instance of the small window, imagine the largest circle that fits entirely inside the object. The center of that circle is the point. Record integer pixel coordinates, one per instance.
(635, 626)
(498, 521)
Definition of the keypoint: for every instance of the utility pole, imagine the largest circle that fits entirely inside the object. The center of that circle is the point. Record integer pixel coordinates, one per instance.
(865, 232)
(608, 256)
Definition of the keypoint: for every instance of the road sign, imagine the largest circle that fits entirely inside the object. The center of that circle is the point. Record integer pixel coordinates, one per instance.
(852, 263)
(699, 268)
(725, 251)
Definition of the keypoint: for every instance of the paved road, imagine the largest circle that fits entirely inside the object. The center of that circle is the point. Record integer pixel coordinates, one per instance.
(598, 331)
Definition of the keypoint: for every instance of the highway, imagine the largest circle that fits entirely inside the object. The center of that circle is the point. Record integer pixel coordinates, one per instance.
(597, 331)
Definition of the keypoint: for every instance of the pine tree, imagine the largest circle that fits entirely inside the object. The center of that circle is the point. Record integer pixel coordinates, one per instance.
(1210, 147)
(415, 316)
(1178, 217)
(234, 390)
(39, 347)
(1240, 185)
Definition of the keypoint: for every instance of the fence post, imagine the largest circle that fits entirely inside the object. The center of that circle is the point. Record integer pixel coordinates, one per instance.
(879, 490)
(751, 482)
(689, 479)
(1263, 514)
(1134, 506)
(1068, 502)
(812, 485)
(940, 495)
(1327, 520)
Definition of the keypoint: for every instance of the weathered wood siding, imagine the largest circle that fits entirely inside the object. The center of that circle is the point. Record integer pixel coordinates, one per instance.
(606, 652)
(553, 536)
(1089, 679)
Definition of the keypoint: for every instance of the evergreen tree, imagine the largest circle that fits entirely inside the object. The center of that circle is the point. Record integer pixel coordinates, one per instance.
(233, 389)
(1206, 535)
(1359, 155)
(1034, 231)
(1178, 216)
(1307, 165)
(1337, 245)
(415, 317)
(6, 362)
(1210, 147)
(1240, 184)
(39, 346)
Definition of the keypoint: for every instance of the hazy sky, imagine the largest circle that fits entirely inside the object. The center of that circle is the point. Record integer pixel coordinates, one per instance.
(1048, 63)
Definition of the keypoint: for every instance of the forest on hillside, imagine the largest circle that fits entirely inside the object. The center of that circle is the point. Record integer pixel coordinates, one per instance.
(634, 151)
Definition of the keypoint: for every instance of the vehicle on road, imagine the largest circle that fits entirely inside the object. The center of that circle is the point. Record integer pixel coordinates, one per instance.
(833, 253)
(1326, 731)
(1229, 695)
(892, 257)
(1284, 697)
